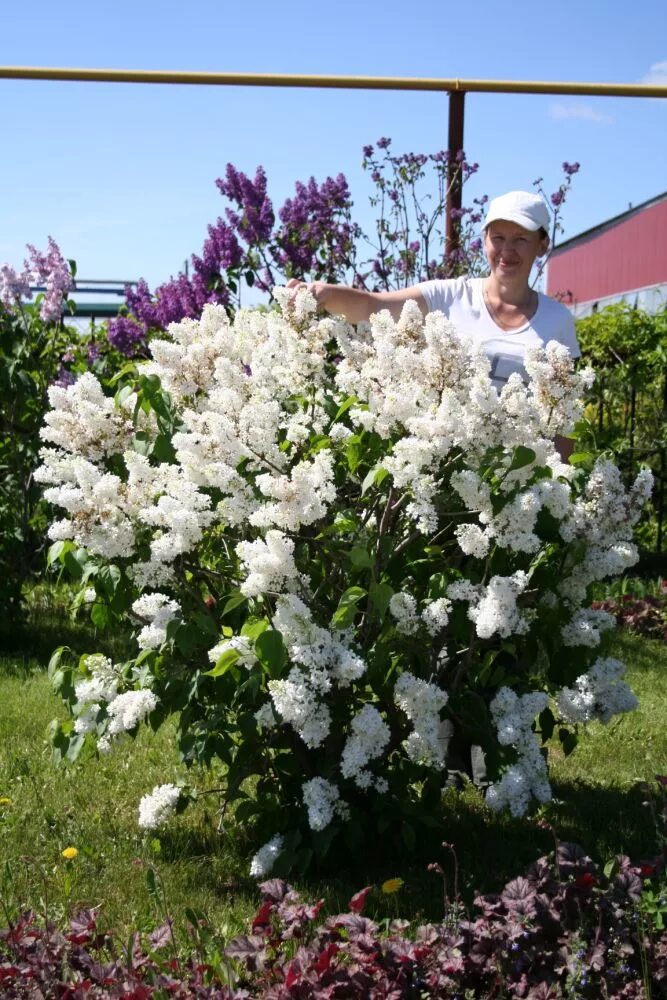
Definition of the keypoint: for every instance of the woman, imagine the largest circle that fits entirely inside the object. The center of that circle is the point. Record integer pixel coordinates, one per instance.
(501, 312)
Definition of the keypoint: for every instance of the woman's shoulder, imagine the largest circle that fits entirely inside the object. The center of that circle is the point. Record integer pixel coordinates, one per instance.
(441, 292)
(554, 321)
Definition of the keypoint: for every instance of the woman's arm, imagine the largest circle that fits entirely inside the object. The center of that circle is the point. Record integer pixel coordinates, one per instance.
(355, 304)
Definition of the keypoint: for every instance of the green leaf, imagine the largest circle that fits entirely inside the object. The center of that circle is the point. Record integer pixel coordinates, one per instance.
(75, 747)
(123, 394)
(354, 453)
(206, 625)
(373, 478)
(360, 558)
(187, 638)
(254, 627)
(344, 407)
(345, 614)
(323, 839)
(74, 562)
(224, 663)
(235, 600)
(100, 615)
(522, 456)
(151, 882)
(581, 458)
(380, 594)
(56, 659)
(57, 550)
(245, 810)
(408, 836)
(110, 577)
(270, 651)
(612, 868)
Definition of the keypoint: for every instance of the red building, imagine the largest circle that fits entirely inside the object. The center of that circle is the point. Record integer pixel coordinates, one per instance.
(621, 260)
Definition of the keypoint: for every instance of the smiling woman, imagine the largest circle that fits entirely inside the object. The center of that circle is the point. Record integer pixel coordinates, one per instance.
(501, 313)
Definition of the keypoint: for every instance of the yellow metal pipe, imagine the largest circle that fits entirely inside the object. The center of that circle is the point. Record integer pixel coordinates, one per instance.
(340, 82)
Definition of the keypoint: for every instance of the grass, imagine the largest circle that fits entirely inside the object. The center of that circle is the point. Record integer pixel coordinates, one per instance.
(91, 805)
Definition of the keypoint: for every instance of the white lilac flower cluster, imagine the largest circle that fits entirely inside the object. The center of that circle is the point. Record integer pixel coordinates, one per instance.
(265, 858)
(403, 607)
(269, 563)
(158, 610)
(599, 694)
(422, 702)
(124, 711)
(587, 627)
(493, 608)
(156, 808)
(321, 661)
(369, 735)
(603, 517)
(322, 800)
(514, 717)
(266, 430)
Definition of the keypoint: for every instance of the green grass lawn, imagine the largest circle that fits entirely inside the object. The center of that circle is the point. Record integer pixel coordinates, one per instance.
(92, 806)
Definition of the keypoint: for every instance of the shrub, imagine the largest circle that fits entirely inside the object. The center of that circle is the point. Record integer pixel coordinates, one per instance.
(37, 350)
(32, 342)
(346, 558)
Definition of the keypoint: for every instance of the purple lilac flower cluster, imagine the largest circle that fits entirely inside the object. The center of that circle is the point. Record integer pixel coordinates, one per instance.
(317, 235)
(256, 218)
(13, 286)
(409, 225)
(49, 268)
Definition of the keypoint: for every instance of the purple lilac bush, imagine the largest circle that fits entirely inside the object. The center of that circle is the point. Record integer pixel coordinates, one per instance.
(314, 235)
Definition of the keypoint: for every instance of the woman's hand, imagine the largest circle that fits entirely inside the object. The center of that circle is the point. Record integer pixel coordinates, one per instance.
(318, 289)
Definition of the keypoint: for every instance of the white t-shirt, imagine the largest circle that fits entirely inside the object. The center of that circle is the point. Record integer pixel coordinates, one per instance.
(462, 302)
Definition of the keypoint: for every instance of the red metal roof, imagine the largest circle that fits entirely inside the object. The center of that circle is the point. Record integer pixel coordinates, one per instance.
(619, 256)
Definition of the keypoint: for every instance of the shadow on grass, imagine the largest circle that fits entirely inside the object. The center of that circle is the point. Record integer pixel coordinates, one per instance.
(488, 851)
(27, 645)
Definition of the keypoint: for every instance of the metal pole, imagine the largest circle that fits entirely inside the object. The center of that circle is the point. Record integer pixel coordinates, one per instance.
(454, 177)
(341, 82)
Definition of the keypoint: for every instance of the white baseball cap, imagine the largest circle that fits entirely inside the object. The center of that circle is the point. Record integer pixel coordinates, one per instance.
(526, 209)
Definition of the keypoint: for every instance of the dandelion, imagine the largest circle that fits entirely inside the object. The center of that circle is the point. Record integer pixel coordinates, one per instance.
(70, 853)
(391, 886)
(4, 801)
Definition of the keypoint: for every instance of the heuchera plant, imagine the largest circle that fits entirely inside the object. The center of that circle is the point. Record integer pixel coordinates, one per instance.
(346, 557)
(565, 929)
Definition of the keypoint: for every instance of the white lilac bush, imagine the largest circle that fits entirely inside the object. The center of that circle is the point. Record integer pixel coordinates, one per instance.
(345, 558)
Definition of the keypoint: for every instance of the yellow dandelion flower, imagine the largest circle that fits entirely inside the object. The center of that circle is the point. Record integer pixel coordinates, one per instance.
(4, 801)
(392, 885)
(70, 853)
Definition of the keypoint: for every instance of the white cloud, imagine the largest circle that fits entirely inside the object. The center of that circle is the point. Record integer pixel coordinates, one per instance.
(584, 112)
(657, 75)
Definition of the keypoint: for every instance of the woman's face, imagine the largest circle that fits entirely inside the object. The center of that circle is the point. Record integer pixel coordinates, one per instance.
(511, 250)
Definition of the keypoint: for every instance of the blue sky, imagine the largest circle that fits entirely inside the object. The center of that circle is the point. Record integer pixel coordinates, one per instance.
(123, 176)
